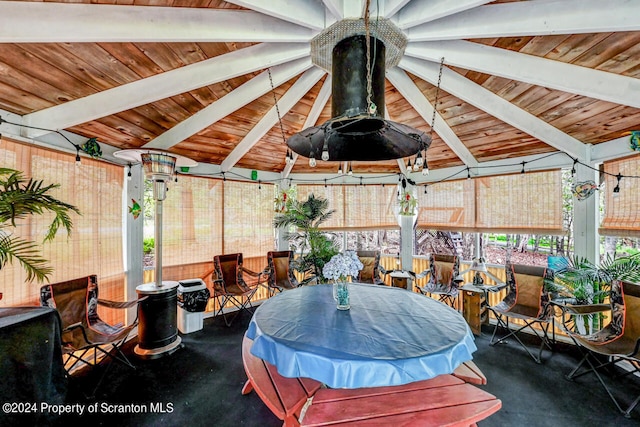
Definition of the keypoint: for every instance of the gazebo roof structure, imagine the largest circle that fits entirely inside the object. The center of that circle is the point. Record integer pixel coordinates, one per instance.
(520, 80)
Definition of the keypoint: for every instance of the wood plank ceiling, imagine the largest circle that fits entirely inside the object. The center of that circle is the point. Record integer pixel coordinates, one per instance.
(194, 76)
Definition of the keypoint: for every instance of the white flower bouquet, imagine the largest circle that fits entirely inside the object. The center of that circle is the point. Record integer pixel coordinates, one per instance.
(342, 266)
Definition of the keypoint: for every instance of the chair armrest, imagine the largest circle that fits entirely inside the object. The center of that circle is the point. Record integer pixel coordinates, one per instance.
(73, 326)
(253, 273)
(120, 304)
(586, 309)
(422, 275)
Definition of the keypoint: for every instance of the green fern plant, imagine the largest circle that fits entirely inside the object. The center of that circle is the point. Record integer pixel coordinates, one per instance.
(315, 247)
(20, 198)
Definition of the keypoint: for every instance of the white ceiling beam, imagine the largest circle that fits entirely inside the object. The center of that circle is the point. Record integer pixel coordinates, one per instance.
(312, 117)
(293, 95)
(308, 13)
(241, 96)
(531, 69)
(611, 150)
(335, 8)
(391, 7)
(497, 167)
(353, 9)
(42, 22)
(419, 12)
(164, 85)
(535, 18)
(401, 81)
(495, 105)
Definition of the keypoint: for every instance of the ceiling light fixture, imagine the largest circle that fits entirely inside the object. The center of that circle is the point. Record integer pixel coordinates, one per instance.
(356, 54)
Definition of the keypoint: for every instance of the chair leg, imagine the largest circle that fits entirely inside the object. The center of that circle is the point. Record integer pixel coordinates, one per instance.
(544, 338)
(588, 358)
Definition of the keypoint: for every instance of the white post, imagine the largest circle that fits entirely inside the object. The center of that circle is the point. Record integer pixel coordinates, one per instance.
(134, 236)
(282, 244)
(585, 219)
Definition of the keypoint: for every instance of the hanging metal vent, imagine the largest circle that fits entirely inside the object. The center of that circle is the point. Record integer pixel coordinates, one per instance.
(358, 129)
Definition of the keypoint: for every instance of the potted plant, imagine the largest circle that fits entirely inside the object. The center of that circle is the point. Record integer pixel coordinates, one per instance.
(582, 282)
(315, 247)
(20, 198)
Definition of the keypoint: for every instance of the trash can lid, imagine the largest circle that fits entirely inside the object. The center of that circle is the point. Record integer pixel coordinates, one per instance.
(190, 285)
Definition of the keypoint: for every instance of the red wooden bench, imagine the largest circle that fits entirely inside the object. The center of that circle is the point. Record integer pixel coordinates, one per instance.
(445, 400)
(285, 397)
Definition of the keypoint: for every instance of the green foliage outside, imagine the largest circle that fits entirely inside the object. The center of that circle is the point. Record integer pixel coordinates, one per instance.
(148, 245)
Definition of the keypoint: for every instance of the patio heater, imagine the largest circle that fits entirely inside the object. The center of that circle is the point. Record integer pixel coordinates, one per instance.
(157, 329)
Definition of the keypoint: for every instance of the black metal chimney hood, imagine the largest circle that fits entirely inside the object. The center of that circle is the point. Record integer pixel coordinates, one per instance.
(356, 131)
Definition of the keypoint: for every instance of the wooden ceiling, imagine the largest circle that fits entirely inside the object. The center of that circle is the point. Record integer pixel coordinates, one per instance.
(194, 77)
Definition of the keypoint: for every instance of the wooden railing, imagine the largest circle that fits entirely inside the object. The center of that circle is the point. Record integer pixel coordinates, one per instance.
(205, 271)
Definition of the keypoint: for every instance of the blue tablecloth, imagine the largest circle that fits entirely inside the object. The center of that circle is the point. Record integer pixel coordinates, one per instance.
(389, 336)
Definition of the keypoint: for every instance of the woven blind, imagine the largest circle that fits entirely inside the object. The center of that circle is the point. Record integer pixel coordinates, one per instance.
(248, 219)
(528, 203)
(520, 203)
(95, 243)
(622, 209)
(356, 206)
(334, 194)
(192, 221)
(448, 205)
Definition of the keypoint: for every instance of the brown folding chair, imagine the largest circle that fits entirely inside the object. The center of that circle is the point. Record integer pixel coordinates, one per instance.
(618, 341)
(528, 301)
(281, 275)
(371, 267)
(230, 285)
(443, 279)
(85, 336)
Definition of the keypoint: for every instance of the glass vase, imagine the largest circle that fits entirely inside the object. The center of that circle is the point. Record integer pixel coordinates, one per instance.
(342, 295)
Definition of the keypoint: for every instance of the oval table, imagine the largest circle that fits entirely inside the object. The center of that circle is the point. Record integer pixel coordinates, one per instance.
(390, 336)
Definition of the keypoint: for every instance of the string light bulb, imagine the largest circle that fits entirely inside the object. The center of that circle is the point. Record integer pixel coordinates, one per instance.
(325, 152)
(425, 168)
(312, 160)
(340, 169)
(129, 172)
(523, 163)
(468, 173)
(77, 156)
(419, 160)
(350, 170)
(573, 168)
(616, 189)
(409, 167)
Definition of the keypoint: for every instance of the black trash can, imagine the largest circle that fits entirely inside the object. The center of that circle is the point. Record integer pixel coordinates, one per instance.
(193, 297)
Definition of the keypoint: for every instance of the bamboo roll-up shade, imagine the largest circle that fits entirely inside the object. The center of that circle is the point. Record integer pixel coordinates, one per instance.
(334, 195)
(192, 221)
(448, 205)
(248, 219)
(622, 209)
(520, 203)
(95, 243)
(370, 207)
(356, 206)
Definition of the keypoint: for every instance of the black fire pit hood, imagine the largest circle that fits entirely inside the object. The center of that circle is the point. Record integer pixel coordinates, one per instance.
(357, 132)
